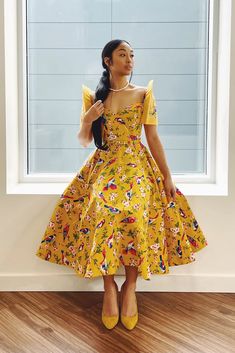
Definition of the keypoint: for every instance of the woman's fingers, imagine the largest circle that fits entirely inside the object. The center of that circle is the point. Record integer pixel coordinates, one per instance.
(99, 106)
(98, 102)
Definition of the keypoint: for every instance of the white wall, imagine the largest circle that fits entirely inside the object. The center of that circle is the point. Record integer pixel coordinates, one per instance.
(24, 218)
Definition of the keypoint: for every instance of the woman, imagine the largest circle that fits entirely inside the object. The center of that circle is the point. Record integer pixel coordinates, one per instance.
(122, 207)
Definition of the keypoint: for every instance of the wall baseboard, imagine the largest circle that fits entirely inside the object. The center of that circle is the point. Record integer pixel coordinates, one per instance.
(71, 282)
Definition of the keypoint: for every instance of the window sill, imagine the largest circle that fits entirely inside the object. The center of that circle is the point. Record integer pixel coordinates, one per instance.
(205, 188)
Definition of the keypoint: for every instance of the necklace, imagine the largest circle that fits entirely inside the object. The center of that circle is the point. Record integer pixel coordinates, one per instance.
(120, 89)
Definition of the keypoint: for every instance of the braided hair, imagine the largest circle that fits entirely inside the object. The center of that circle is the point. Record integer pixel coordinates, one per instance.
(102, 90)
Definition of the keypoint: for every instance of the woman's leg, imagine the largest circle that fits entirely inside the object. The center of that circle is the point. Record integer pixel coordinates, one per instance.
(128, 302)
(131, 276)
(110, 302)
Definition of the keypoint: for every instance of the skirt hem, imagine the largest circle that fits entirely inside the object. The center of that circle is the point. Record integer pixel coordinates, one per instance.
(99, 273)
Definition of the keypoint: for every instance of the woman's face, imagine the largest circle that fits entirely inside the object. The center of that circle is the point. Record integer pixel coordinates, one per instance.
(123, 60)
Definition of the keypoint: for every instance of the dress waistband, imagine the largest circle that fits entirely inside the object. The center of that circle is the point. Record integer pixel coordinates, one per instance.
(128, 140)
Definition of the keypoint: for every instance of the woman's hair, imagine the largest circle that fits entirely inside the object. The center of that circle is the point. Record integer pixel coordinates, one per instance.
(102, 90)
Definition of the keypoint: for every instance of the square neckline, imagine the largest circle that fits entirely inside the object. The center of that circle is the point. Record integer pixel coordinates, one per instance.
(123, 108)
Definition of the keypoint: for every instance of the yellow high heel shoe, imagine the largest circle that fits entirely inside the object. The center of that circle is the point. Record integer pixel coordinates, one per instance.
(110, 321)
(128, 321)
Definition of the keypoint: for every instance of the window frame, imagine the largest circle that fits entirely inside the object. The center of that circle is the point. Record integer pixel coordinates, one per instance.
(214, 182)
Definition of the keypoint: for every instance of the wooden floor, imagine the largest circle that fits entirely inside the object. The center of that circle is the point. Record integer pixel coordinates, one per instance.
(67, 322)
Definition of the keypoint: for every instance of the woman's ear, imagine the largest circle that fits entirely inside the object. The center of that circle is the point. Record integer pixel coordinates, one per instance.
(106, 60)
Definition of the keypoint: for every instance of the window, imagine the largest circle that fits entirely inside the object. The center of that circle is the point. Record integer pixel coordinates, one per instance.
(176, 45)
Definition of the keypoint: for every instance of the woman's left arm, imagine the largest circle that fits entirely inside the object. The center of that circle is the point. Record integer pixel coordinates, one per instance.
(157, 151)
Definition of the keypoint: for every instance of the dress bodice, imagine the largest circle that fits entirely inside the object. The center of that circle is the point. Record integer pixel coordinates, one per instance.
(124, 125)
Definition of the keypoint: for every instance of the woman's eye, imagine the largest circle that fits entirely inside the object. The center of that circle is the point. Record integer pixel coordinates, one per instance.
(125, 54)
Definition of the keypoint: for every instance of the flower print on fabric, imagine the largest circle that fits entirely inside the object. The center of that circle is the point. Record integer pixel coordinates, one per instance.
(115, 211)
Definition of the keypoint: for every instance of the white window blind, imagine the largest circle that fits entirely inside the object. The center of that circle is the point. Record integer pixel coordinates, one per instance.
(64, 44)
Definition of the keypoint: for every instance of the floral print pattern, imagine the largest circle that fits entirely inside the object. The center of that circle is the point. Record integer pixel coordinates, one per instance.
(115, 211)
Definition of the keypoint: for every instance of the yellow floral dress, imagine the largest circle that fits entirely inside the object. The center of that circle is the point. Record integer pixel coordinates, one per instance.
(115, 210)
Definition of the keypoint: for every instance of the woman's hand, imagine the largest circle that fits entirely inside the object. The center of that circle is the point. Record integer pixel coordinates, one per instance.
(94, 112)
(169, 187)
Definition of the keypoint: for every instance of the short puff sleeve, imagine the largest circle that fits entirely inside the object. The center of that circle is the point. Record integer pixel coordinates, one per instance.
(87, 100)
(150, 115)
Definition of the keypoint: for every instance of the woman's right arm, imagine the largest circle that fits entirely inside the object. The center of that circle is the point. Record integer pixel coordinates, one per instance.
(85, 135)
